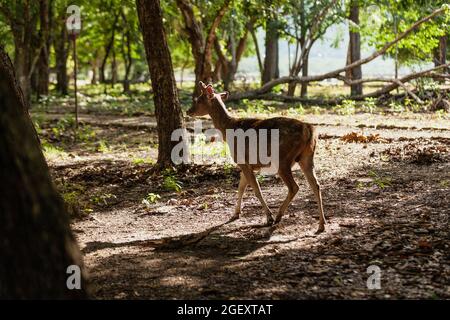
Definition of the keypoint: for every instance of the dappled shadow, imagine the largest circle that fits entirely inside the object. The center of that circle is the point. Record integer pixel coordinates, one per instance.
(401, 227)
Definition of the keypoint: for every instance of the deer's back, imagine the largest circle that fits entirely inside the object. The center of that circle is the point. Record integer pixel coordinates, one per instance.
(295, 136)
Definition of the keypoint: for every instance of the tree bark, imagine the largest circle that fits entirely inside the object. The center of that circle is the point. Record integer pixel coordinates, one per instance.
(165, 93)
(36, 243)
(61, 46)
(43, 63)
(271, 70)
(258, 53)
(355, 49)
(440, 54)
(304, 86)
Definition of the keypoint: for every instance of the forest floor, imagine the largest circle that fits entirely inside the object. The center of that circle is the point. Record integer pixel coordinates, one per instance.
(385, 182)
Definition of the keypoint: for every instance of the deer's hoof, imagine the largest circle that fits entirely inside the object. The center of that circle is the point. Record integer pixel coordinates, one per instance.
(277, 219)
(234, 217)
(321, 229)
(269, 221)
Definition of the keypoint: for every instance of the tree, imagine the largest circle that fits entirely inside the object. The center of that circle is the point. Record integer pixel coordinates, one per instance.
(354, 48)
(36, 243)
(165, 93)
(231, 44)
(271, 66)
(306, 23)
(61, 45)
(45, 13)
(202, 44)
(22, 18)
(395, 17)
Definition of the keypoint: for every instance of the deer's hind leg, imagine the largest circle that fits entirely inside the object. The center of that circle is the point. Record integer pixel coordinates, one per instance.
(285, 173)
(241, 190)
(307, 164)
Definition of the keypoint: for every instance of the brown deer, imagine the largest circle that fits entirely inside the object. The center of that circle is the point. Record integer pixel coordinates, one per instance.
(297, 143)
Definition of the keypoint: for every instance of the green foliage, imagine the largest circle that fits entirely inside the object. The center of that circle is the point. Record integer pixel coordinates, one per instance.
(382, 22)
(369, 105)
(102, 199)
(139, 161)
(298, 110)
(255, 107)
(170, 182)
(348, 107)
(380, 181)
(151, 198)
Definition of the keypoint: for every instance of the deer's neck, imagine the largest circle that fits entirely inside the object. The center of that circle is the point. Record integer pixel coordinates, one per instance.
(221, 118)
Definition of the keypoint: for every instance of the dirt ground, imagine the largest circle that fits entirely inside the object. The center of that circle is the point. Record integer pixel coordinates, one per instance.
(386, 200)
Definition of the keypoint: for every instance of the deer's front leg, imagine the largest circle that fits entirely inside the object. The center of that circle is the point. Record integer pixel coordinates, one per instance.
(241, 190)
(251, 180)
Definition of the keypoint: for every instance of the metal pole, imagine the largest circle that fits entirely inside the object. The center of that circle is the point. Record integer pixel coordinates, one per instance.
(75, 78)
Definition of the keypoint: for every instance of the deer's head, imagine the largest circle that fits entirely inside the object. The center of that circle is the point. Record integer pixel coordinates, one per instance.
(203, 103)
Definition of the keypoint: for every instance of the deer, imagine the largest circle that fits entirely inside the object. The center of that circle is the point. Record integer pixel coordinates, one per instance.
(297, 144)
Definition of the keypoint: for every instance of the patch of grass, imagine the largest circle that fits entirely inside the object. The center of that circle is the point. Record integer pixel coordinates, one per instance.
(380, 181)
(102, 199)
(170, 181)
(256, 107)
(139, 161)
(51, 151)
(151, 198)
(85, 133)
(297, 110)
(103, 147)
(369, 105)
(347, 108)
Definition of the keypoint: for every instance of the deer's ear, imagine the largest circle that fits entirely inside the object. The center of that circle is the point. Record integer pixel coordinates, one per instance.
(209, 90)
(224, 95)
(202, 85)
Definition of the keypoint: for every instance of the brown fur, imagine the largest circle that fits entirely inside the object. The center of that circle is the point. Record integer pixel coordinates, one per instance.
(297, 144)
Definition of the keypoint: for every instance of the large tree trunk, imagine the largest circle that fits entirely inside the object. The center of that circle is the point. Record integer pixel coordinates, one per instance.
(43, 63)
(271, 70)
(355, 49)
(36, 243)
(165, 93)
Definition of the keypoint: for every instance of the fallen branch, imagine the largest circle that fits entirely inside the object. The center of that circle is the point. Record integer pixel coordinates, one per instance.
(251, 94)
(392, 85)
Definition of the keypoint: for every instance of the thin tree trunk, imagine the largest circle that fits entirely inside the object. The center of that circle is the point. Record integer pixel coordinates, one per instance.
(271, 70)
(36, 243)
(201, 46)
(43, 63)
(61, 46)
(355, 49)
(304, 86)
(109, 46)
(165, 93)
(258, 53)
(113, 68)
